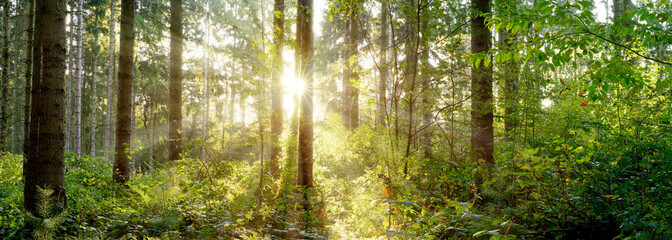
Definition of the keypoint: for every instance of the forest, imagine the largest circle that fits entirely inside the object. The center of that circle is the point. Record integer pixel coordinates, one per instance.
(336, 119)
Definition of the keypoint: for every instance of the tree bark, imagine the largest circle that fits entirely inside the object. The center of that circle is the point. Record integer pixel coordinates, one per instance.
(28, 75)
(232, 99)
(304, 32)
(45, 161)
(94, 105)
(276, 85)
(411, 72)
(152, 130)
(175, 115)
(110, 79)
(205, 85)
(125, 92)
(351, 72)
(482, 138)
(68, 85)
(78, 82)
(427, 93)
(4, 114)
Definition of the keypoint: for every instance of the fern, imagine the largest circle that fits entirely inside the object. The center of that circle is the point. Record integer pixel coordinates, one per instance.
(45, 225)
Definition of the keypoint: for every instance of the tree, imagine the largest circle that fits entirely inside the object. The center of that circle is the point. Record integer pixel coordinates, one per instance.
(383, 65)
(4, 113)
(78, 81)
(110, 79)
(426, 93)
(94, 103)
(411, 44)
(28, 75)
(276, 85)
(175, 114)
(68, 86)
(304, 36)
(482, 137)
(205, 81)
(510, 70)
(45, 161)
(351, 62)
(125, 92)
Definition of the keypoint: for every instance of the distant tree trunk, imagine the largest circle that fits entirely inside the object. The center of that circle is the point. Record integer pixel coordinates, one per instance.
(232, 100)
(131, 154)
(411, 72)
(125, 92)
(351, 71)
(354, 65)
(243, 137)
(175, 115)
(45, 161)
(205, 85)
(28, 76)
(68, 85)
(110, 79)
(482, 137)
(78, 82)
(261, 109)
(276, 85)
(4, 115)
(383, 65)
(510, 74)
(304, 32)
(427, 93)
(152, 129)
(94, 105)
(619, 6)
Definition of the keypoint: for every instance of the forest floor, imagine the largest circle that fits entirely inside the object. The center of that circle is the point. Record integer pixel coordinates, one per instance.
(574, 187)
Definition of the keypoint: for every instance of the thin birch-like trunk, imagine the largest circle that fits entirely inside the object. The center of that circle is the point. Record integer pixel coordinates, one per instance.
(78, 82)
(110, 79)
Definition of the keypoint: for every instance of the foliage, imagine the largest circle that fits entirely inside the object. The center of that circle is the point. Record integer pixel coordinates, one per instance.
(46, 222)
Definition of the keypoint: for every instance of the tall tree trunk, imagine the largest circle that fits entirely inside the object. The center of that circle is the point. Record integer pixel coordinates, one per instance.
(78, 82)
(205, 83)
(110, 79)
(28, 75)
(261, 103)
(304, 32)
(482, 138)
(94, 105)
(4, 114)
(125, 92)
(232, 99)
(381, 102)
(45, 161)
(152, 129)
(427, 92)
(351, 62)
(510, 74)
(619, 6)
(68, 85)
(131, 154)
(243, 137)
(276, 85)
(411, 71)
(175, 115)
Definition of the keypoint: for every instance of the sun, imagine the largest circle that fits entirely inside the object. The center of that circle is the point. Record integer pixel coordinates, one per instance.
(292, 85)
